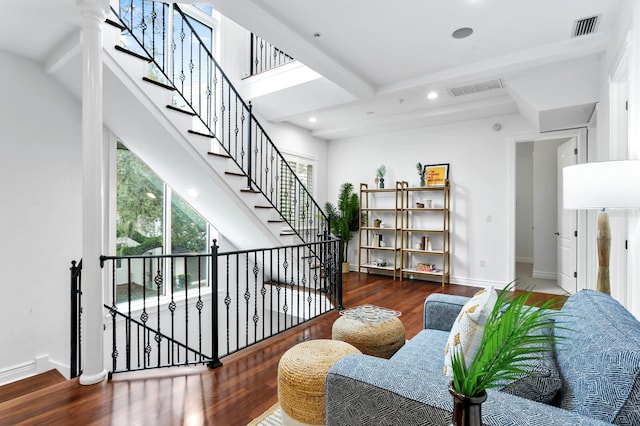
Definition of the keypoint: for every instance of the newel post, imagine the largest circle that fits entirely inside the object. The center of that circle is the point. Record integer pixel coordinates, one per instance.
(215, 360)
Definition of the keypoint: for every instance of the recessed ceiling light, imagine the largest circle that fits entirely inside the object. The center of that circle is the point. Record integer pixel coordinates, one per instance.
(192, 192)
(432, 95)
(463, 32)
(312, 120)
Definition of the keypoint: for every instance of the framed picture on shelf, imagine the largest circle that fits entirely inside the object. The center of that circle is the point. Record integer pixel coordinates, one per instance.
(435, 175)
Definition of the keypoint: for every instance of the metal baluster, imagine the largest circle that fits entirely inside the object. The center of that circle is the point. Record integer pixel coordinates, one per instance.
(172, 309)
(249, 153)
(186, 310)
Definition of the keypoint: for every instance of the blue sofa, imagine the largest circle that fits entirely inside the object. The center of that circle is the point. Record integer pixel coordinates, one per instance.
(598, 367)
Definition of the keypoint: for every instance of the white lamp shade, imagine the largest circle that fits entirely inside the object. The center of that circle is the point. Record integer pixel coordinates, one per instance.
(608, 184)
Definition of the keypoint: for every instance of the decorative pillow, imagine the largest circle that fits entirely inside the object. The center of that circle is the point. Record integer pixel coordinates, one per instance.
(544, 382)
(467, 330)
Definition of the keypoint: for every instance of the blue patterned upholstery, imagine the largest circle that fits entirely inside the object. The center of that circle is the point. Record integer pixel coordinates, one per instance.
(425, 351)
(441, 310)
(365, 390)
(599, 364)
(600, 360)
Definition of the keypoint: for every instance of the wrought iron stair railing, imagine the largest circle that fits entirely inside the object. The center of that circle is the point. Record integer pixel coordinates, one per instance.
(180, 58)
(184, 309)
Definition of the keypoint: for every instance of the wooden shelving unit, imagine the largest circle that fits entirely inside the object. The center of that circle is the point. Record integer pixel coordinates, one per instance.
(379, 237)
(425, 232)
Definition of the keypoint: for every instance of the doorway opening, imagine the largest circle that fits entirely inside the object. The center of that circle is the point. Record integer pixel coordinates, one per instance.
(539, 250)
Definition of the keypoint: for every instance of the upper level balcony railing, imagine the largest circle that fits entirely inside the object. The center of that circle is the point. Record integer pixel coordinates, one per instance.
(265, 56)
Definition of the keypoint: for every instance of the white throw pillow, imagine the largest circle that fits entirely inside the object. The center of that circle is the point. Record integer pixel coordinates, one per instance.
(468, 328)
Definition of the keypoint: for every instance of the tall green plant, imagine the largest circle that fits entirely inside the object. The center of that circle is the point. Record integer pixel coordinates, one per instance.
(515, 335)
(346, 217)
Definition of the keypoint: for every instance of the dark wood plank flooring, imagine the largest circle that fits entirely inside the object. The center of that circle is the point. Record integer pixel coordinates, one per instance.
(233, 394)
(32, 384)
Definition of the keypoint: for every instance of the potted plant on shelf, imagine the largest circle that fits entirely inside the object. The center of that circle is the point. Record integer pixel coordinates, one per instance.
(344, 219)
(380, 172)
(514, 337)
(420, 169)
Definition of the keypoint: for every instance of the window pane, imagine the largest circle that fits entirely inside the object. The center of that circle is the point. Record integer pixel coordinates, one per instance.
(188, 235)
(205, 8)
(292, 208)
(139, 225)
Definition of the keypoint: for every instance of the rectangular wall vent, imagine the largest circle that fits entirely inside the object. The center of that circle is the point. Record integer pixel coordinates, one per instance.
(475, 88)
(585, 26)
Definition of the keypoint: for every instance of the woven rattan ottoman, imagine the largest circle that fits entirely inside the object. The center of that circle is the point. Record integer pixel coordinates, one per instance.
(381, 337)
(302, 375)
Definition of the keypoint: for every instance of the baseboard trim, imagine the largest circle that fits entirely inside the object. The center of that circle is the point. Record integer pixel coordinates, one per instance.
(17, 372)
(31, 368)
(92, 379)
(544, 275)
(524, 260)
(498, 285)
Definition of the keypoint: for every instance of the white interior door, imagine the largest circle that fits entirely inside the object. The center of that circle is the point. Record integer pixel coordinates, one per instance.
(567, 224)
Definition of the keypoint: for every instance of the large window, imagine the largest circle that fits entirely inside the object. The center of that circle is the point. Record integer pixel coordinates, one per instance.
(152, 219)
(304, 168)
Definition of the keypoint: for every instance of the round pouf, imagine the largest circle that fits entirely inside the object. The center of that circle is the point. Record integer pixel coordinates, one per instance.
(302, 376)
(376, 339)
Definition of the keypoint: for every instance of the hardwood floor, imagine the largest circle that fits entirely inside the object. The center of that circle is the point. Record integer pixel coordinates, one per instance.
(234, 394)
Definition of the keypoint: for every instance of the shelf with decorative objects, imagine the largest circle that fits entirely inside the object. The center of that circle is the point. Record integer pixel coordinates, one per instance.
(425, 232)
(379, 237)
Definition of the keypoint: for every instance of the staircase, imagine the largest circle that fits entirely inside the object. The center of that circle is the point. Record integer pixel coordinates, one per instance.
(245, 187)
(202, 103)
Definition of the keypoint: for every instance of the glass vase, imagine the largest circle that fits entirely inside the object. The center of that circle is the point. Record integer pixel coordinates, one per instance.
(467, 410)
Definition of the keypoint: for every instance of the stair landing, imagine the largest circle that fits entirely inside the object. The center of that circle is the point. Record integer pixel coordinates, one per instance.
(30, 384)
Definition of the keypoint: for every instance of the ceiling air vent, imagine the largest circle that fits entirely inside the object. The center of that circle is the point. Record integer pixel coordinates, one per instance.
(475, 88)
(585, 26)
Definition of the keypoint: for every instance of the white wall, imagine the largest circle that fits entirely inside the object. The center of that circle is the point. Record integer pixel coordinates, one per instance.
(545, 208)
(480, 182)
(524, 202)
(41, 183)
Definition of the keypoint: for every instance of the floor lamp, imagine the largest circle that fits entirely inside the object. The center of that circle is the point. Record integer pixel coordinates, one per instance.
(604, 185)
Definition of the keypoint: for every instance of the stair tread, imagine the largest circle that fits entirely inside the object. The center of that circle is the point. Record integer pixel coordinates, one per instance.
(114, 24)
(262, 207)
(195, 132)
(132, 53)
(183, 111)
(250, 190)
(158, 83)
(275, 221)
(30, 384)
(235, 174)
(217, 154)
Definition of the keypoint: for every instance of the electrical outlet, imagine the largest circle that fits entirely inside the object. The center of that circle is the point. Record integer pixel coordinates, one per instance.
(483, 264)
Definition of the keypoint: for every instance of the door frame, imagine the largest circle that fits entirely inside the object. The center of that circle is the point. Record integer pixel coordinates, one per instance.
(582, 136)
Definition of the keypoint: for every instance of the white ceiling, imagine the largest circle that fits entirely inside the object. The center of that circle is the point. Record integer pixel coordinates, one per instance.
(388, 55)
(381, 57)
